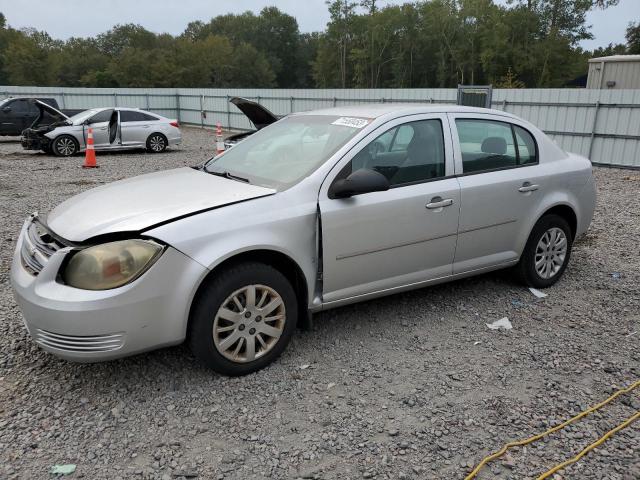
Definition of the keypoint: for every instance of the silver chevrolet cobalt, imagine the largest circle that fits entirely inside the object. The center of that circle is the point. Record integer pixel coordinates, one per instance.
(319, 209)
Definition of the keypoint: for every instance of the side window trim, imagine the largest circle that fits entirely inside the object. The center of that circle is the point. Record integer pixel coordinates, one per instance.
(457, 150)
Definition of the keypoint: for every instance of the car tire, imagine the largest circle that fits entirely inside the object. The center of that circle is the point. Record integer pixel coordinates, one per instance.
(65, 146)
(547, 252)
(157, 143)
(242, 319)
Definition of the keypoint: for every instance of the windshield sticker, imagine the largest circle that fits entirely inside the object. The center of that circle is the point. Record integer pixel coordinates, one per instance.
(352, 122)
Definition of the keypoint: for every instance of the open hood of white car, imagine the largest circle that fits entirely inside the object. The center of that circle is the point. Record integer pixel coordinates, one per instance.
(138, 203)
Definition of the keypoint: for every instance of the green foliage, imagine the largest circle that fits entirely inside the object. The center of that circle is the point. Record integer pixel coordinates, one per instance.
(367, 44)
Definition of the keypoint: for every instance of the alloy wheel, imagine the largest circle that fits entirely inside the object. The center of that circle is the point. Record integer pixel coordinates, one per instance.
(551, 252)
(66, 147)
(249, 323)
(156, 143)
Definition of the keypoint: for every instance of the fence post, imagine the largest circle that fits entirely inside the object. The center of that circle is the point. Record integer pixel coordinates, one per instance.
(504, 105)
(228, 113)
(62, 100)
(593, 128)
(148, 104)
(201, 111)
(291, 105)
(115, 99)
(335, 101)
(178, 107)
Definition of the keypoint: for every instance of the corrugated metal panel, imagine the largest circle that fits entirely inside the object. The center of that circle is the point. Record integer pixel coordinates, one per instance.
(624, 74)
(569, 115)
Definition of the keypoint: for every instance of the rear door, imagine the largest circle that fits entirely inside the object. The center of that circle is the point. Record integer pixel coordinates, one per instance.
(501, 184)
(385, 240)
(135, 127)
(21, 115)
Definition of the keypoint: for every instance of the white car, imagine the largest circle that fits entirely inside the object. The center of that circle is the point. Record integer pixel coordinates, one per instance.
(113, 129)
(354, 203)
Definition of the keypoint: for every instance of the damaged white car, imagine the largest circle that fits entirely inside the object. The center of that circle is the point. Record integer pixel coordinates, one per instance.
(113, 129)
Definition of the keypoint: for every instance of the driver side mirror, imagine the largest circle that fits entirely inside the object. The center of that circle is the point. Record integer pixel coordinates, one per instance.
(6, 109)
(359, 182)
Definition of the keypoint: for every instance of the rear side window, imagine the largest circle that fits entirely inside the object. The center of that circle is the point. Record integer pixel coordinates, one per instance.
(527, 151)
(491, 145)
(133, 116)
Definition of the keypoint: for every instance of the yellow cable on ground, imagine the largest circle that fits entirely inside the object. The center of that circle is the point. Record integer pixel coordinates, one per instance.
(595, 444)
(529, 440)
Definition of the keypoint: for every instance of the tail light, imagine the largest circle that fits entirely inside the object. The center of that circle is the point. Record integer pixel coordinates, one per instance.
(174, 124)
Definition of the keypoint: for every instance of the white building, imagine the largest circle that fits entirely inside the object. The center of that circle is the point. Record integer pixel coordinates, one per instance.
(614, 73)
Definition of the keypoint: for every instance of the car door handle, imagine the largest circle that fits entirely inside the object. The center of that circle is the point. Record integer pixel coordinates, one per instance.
(103, 128)
(528, 187)
(437, 202)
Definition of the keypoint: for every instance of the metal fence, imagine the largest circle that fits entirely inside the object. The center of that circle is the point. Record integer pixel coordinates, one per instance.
(601, 124)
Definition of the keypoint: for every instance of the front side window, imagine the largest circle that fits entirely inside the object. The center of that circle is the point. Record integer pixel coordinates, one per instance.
(409, 153)
(103, 116)
(491, 145)
(287, 151)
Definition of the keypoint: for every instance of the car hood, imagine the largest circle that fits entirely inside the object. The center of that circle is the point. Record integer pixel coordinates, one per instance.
(138, 203)
(256, 113)
(56, 114)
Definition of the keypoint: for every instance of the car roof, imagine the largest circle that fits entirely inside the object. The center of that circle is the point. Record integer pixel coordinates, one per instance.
(374, 110)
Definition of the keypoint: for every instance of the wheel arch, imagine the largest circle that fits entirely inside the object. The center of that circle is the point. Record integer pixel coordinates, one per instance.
(275, 259)
(565, 211)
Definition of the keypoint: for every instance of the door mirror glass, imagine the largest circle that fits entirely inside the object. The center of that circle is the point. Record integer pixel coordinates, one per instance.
(6, 109)
(359, 182)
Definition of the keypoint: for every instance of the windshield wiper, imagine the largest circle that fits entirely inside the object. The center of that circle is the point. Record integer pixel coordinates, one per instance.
(228, 175)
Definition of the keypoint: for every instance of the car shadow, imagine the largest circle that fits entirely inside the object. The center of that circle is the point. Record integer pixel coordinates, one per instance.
(174, 368)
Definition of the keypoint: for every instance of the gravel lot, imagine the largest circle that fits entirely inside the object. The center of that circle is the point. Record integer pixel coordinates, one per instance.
(410, 386)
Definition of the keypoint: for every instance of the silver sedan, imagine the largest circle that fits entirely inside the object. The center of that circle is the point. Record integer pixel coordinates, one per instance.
(113, 129)
(318, 210)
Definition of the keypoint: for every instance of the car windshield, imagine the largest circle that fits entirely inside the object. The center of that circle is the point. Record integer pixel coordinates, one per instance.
(287, 151)
(82, 116)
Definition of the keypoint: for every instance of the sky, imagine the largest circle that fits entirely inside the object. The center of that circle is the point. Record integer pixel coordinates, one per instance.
(82, 18)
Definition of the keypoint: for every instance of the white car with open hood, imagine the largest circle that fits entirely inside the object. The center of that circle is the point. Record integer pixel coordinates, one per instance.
(317, 210)
(113, 129)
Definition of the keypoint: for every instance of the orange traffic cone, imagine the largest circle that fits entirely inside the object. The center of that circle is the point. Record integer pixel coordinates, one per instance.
(90, 153)
(219, 139)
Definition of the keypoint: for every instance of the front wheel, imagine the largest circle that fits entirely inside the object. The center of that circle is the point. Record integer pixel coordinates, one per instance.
(243, 319)
(547, 252)
(156, 143)
(65, 146)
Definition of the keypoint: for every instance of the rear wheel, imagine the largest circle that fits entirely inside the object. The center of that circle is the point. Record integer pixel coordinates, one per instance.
(547, 252)
(65, 146)
(243, 319)
(157, 143)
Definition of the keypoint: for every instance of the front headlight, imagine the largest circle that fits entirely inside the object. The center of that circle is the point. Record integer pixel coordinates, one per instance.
(110, 265)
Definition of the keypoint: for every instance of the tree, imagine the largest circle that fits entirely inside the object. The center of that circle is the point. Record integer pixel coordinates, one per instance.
(633, 38)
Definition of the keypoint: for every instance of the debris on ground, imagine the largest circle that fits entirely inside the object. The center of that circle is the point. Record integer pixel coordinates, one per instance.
(503, 323)
(538, 293)
(67, 469)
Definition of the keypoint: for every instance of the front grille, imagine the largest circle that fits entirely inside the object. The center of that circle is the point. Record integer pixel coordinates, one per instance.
(80, 344)
(37, 247)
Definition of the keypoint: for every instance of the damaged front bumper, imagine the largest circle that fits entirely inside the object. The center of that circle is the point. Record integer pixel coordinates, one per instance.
(34, 140)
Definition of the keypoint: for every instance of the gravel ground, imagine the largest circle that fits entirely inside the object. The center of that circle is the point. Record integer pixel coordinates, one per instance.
(410, 386)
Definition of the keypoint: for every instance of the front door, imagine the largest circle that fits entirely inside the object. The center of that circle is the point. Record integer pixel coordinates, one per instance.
(501, 184)
(104, 125)
(407, 235)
